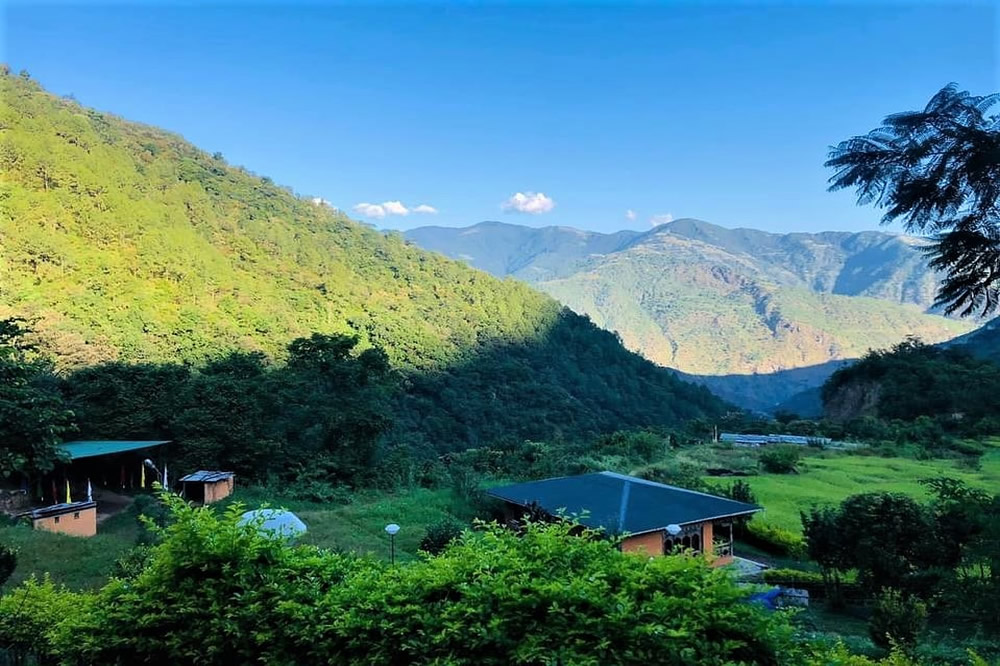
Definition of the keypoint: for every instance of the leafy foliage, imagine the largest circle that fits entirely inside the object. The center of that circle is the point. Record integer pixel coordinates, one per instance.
(782, 459)
(215, 593)
(897, 619)
(942, 551)
(33, 416)
(440, 534)
(916, 393)
(938, 171)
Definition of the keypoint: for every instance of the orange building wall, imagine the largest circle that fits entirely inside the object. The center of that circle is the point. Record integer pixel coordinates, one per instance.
(650, 543)
(83, 526)
(706, 539)
(218, 490)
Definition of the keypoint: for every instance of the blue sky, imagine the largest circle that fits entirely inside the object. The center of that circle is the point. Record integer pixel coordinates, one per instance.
(710, 110)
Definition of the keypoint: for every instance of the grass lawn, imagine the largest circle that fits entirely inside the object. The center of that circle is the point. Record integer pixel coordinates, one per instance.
(829, 478)
(75, 561)
(358, 527)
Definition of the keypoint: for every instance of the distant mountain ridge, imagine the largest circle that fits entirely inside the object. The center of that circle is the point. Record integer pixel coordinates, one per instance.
(737, 309)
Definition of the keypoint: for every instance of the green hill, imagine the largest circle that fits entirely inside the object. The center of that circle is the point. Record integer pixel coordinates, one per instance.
(755, 316)
(122, 241)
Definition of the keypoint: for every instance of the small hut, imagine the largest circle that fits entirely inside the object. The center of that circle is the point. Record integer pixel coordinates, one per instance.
(207, 486)
(74, 518)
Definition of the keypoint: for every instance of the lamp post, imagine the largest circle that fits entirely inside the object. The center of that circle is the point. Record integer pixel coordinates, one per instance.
(391, 530)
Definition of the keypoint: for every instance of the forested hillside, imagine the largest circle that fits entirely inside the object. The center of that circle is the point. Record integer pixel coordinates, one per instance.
(755, 316)
(942, 390)
(119, 241)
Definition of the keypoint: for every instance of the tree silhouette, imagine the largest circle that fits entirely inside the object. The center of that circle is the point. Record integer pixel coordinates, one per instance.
(938, 171)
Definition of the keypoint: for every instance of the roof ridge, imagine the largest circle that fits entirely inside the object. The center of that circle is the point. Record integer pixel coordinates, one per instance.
(635, 479)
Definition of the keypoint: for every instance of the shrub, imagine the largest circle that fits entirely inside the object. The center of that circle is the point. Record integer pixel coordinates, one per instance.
(440, 534)
(773, 539)
(31, 614)
(132, 562)
(674, 473)
(897, 619)
(793, 577)
(780, 459)
(218, 593)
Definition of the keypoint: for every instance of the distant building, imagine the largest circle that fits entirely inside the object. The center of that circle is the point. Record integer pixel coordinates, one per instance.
(753, 441)
(90, 476)
(656, 518)
(206, 486)
(75, 518)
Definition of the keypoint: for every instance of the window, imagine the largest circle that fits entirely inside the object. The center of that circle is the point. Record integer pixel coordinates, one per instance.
(76, 515)
(57, 520)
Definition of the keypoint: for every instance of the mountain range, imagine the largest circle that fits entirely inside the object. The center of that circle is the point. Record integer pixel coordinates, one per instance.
(755, 316)
(121, 242)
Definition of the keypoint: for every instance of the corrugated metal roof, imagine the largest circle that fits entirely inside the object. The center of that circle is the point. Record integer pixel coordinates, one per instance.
(205, 476)
(622, 503)
(92, 448)
(58, 509)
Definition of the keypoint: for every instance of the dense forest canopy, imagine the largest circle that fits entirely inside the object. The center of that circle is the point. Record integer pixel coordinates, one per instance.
(913, 380)
(158, 278)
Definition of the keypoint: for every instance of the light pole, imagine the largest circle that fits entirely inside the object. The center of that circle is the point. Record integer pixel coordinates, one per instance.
(391, 530)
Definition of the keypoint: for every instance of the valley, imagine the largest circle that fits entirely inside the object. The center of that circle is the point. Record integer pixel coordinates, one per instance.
(757, 317)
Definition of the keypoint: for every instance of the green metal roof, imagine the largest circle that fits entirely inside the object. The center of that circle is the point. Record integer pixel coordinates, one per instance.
(90, 449)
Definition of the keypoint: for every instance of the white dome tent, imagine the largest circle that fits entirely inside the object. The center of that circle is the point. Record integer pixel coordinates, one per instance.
(278, 522)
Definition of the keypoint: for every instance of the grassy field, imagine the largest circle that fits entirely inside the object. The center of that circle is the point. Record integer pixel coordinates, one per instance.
(73, 561)
(830, 478)
(825, 478)
(357, 527)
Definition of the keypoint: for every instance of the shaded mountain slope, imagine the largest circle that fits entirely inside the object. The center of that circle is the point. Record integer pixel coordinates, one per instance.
(122, 241)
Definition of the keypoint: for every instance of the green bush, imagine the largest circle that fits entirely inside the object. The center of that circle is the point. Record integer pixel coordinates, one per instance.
(440, 534)
(773, 539)
(675, 473)
(132, 562)
(30, 614)
(897, 618)
(780, 459)
(792, 577)
(218, 593)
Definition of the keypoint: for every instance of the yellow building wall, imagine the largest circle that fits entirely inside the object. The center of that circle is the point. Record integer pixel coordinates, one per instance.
(82, 523)
(650, 543)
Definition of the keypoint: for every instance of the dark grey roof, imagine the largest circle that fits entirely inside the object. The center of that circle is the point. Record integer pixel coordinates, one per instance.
(205, 476)
(622, 503)
(58, 509)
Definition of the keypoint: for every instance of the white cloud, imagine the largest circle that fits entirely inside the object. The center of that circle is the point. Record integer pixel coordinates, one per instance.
(370, 210)
(395, 208)
(385, 208)
(533, 203)
(320, 201)
(630, 214)
(662, 218)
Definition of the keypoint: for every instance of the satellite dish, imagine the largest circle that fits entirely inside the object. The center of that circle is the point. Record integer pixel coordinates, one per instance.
(275, 522)
(673, 530)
